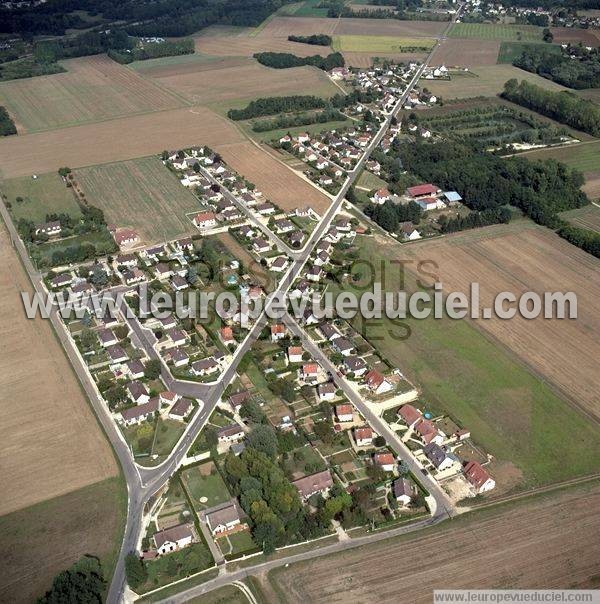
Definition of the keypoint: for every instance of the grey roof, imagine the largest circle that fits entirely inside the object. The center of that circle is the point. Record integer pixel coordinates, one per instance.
(223, 516)
(435, 454)
(173, 534)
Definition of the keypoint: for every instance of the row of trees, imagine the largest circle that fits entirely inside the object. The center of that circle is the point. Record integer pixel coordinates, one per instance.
(474, 220)
(7, 126)
(315, 39)
(390, 215)
(564, 107)
(285, 60)
(273, 105)
(154, 50)
(588, 241)
(580, 72)
(302, 119)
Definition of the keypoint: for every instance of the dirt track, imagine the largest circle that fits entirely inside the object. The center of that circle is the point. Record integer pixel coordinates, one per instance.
(548, 542)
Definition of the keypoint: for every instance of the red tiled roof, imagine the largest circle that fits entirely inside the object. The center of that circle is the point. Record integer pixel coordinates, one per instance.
(425, 189)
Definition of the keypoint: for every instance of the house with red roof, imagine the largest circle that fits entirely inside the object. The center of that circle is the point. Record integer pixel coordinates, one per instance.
(385, 461)
(424, 190)
(478, 476)
(205, 220)
(377, 383)
(428, 432)
(344, 413)
(409, 415)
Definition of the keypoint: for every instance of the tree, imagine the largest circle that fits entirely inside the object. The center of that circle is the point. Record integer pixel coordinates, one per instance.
(152, 369)
(98, 276)
(88, 338)
(135, 570)
(115, 395)
(263, 438)
(83, 582)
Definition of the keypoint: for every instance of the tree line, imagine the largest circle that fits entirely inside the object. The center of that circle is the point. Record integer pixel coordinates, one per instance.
(154, 50)
(565, 107)
(273, 105)
(315, 39)
(173, 18)
(390, 215)
(580, 72)
(302, 119)
(7, 126)
(285, 60)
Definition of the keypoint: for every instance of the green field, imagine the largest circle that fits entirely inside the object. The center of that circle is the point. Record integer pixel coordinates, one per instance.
(585, 218)
(239, 542)
(517, 33)
(101, 239)
(200, 484)
(368, 180)
(585, 157)
(270, 135)
(168, 432)
(307, 8)
(591, 93)
(380, 43)
(509, 51)
(45, 195)
(142, 194)
(511, 413)
(484, 81)
(150, 64)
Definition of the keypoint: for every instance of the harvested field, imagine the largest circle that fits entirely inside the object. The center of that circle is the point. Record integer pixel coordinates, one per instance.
(585, 218)
(389, 27)
(574, 35)
(46, 538)
(375, 44)
(282, 27)
(562, 352)
(142, 194)
(243, 46)
(270, 176)
(365, 59)
(458, 52)
(485, 31)
(93, 89)
(113, 140)
(584, 157)
(592, 185)
(248, 80)
(51, 442)
(552, 545)
(488, 81)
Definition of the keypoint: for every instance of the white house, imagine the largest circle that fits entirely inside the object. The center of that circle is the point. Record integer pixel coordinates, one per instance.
(173, 539)
(363, 436)
(344, 413)
(326, 391)
(478, 477)
(205, 220)
(377, 383)
(224, 519)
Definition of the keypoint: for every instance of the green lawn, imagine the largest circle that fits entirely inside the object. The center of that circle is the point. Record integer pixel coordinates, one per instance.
(302, 461)
(101, 239)
(509, 51)
(140, 438)
(45, 195)
(257, 377)
(168, 432)
(277, 134)
(241, 542)
(485, 31)
(210, 486)
(370, 181)
(510, 412)
(351, 43)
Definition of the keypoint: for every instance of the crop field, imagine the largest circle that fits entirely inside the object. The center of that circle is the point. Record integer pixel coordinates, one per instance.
(114, 140)
(248, 80)
(142, 194)
(509, 51)
(458, 52)
(46, 538)
(389, 27)
(282, 27)
(270, 176)
(47, 194)
(51, 443)
(520, 33)
(585, 157)
(585, 218)
(380, 43)
(487, 81)
(454, 556)
(485, 373)
(93, 89)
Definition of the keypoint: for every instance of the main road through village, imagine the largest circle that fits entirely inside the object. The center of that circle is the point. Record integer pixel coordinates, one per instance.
(144, 482)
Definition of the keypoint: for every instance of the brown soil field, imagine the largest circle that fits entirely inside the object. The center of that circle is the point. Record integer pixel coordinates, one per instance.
(244, 46)
(246, 81)
(282, 27)
(459, 52)
(592, 185)
(114, 140)
(270, 176)
(365, 59)
(42, 540)
(563, 352)
(51, 443)
(93, 89)
(573, 35)
(546, 542)
(389, 27)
